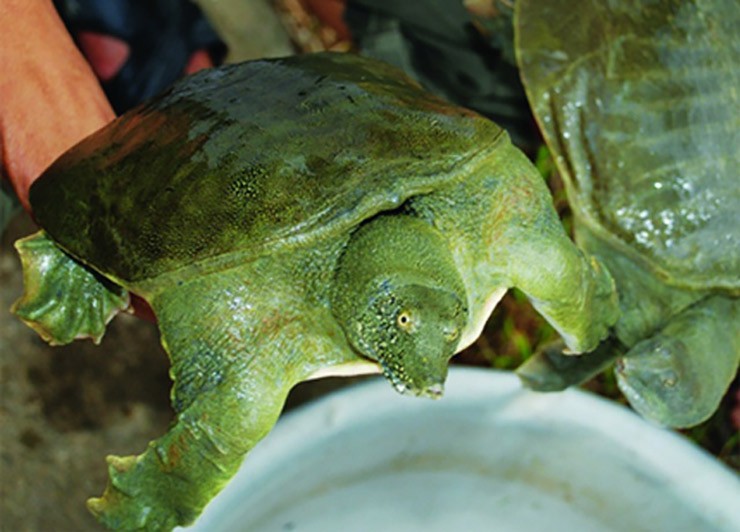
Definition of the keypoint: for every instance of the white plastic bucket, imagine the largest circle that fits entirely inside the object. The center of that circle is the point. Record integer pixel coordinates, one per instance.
(488, 456)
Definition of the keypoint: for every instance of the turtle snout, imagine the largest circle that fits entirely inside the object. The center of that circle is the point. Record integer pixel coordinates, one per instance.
(434, 391)
(430, 391)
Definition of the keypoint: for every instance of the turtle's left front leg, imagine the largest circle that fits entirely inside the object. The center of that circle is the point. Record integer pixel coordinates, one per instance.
(551, 370)
(505, 232)
(574, 292)
(234, 359)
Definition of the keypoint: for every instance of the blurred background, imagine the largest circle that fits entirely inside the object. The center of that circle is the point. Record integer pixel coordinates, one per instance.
(62, 410)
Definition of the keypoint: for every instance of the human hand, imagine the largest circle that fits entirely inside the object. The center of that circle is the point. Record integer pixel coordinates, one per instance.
(51, 98)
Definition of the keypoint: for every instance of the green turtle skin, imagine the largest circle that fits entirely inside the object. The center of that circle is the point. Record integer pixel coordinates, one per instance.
(285, 219)
(639, 105)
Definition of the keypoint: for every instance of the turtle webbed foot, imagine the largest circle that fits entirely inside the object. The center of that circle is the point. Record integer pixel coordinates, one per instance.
(137, 500)
(62, 299)
(678, 376)
(595, 308)
(551, 370)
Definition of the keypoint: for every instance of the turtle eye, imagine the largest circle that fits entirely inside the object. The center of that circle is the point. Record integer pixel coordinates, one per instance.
(405, 321)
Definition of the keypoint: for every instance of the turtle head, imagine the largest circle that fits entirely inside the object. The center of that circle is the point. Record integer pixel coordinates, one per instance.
(412, 331)
(401, 301)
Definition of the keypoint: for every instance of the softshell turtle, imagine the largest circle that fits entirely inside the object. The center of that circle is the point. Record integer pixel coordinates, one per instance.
(639, 104)
(287, 218)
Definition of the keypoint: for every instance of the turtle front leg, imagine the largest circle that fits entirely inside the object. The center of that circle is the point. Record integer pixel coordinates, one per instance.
(504, 232)
(526, 244)
(62, 299)
(678, 376)
(170, 483)
(550, 370)
(235, 355)
(574, 292)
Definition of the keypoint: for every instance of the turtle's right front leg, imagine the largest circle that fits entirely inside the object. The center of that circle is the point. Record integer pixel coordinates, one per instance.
(235, 356)
(225, 414)
(170, 483)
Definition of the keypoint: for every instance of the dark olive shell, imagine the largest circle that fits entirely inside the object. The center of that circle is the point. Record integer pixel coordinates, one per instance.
(246, 159)
(640, 104)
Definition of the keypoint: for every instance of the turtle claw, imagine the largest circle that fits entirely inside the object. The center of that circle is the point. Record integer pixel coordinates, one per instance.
(134, 498)
(118, 511)
(113, 511)
(120, 464)
(63, 300)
